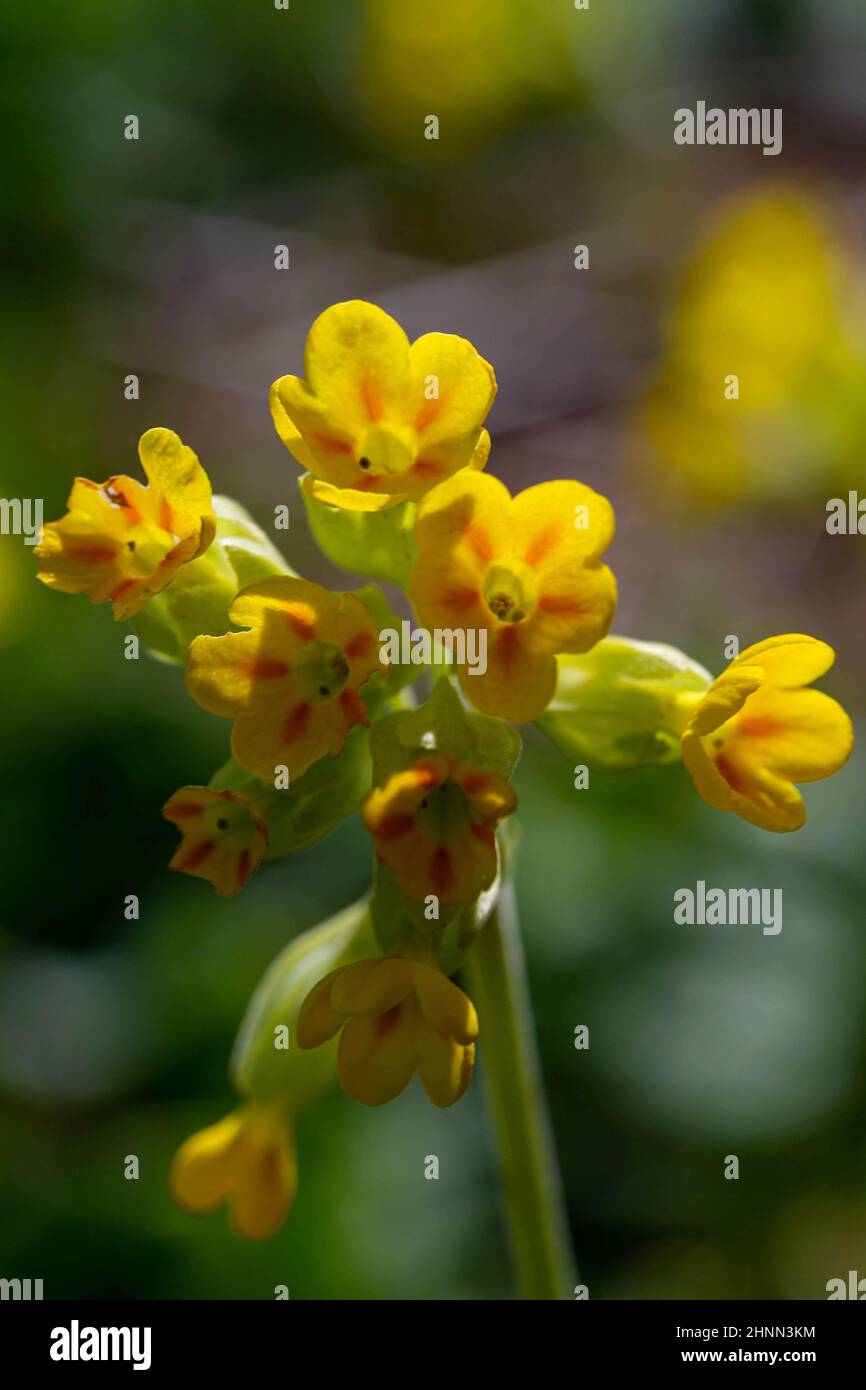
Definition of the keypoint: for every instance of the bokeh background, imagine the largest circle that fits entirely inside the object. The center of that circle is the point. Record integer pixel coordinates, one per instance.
(305, 127)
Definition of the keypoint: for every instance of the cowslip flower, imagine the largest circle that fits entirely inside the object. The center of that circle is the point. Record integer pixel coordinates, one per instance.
(224, 837)
(395, 1016)
(247, 1160)
(525, 570)
(758, 730)
(124, 542)
(291, 681)
(434, 824)
(376, 419)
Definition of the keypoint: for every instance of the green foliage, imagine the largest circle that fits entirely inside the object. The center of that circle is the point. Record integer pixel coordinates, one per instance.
(380, 545)
(260, 1069)
(307, 810)
(443, 725)
(620, 705)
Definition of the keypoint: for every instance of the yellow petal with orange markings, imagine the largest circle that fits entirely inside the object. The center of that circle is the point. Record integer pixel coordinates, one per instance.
(445, 1006)
(387, 807)
(317, 1020)
(802, 735)
(465, 390)
(726, 695)
(469, 514)
(372, 986)
(560, 523)
(356, 361)
(378, 1054)
(276, 733)
(790, 660)
(705, 775)
(575, 607)
(229, 674)
(205, 1167)
(519, 682)
(298, 603)
(331, 447)
(445, 1067)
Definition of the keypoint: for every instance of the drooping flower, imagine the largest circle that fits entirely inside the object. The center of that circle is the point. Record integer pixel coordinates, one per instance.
(397, 1017)
(123, 541)
(434, 824)
(377, 419)
(224, 837)
(291, 681)
(247, 1160)
(758, 730)
(524, 571)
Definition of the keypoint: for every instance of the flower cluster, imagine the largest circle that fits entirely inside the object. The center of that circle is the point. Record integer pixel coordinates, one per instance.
(392, 438)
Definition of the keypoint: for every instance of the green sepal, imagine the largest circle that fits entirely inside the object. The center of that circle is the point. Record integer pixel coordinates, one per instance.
(312, 805)
(400, 922)
(260, 1070)
(380, 545)
(399, 674)
(620, 705)
(198, 599)
(443, 725)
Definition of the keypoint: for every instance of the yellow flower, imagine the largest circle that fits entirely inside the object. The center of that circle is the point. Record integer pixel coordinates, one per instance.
(125, 542)
(434, 825)
(290, 682)
(378, 419)
(758, 730)
(397, 1016)
(224, 837)
(247, 1160)
(525, 570)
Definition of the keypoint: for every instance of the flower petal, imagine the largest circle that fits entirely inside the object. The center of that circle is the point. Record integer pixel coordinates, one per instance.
(205, 1167)
(445, 1067)
(789, 660)
(445, 1006)
(317, 1020)
(372, 986)
(378, 1054)
(727, 694)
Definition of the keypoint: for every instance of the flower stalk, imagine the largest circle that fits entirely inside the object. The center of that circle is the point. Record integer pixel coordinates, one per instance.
(538, 1228)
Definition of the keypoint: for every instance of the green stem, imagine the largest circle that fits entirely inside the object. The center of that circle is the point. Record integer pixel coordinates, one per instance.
(496, 976)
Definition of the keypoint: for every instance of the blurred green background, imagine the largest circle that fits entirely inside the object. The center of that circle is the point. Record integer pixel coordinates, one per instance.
(305, 127)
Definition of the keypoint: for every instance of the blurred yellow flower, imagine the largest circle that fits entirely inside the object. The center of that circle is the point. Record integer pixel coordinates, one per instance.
(760, 393)
(291, 681)
(525, 570)
(758, 730)
(247, 1160)
(125, 542)
(397, 1016)
(434, 825)
(224, 837)
(378, 420)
